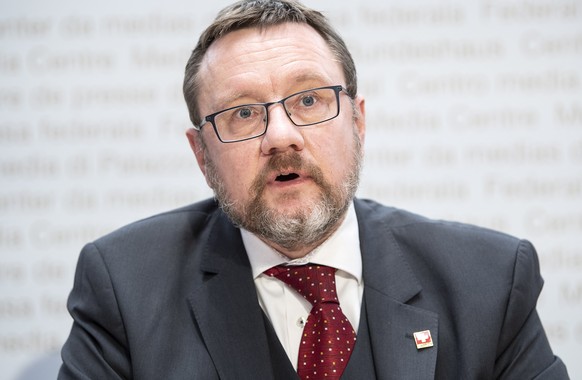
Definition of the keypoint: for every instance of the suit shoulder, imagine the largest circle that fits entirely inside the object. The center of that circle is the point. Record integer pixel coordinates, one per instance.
(454, 255)
(188, 219)
(419, 230)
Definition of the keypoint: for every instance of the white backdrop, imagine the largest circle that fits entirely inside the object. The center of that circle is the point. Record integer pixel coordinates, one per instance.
(474, 113)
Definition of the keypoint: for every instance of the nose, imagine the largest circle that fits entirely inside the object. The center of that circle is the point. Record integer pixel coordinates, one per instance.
(281, 134)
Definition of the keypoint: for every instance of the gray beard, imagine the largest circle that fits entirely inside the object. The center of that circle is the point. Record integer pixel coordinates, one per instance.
(308, 226)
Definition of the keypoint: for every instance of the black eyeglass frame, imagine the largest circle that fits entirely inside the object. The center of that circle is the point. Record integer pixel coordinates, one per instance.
(211, 118)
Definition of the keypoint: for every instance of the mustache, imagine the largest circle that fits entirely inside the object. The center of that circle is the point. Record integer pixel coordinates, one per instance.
(287, 162)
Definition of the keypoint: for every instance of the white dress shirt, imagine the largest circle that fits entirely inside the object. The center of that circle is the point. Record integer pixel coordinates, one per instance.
(285, 308)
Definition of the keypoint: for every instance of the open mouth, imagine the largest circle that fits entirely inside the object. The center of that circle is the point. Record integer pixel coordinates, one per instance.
(286, 177)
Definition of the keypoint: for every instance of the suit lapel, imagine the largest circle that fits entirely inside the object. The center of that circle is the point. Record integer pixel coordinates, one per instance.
(389, 287)
(225, 306)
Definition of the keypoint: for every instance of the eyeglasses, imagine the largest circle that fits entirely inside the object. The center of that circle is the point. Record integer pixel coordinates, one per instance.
(249, 121)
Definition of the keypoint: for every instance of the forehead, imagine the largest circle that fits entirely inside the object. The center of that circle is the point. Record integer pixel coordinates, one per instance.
(267, 62)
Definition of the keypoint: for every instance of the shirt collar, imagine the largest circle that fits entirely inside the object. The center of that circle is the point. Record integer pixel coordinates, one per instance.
(341, 250)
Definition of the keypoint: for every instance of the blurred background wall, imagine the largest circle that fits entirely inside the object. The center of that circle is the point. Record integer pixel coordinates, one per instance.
(474, 112)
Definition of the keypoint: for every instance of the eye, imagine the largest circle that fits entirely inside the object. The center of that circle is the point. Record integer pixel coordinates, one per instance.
(244, 113)
(308, 101)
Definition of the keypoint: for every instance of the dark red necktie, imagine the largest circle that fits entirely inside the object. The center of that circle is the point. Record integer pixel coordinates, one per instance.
(328, 337)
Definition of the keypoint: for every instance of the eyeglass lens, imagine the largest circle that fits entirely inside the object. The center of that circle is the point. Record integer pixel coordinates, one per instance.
(304, 108)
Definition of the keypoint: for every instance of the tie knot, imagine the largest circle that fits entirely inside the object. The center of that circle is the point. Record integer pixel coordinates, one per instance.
(316, 283)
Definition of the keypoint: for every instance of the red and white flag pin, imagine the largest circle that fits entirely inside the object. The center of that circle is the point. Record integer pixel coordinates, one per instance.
(423, 339)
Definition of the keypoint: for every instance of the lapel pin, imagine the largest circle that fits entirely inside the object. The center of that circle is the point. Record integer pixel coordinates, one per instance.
(423, 339)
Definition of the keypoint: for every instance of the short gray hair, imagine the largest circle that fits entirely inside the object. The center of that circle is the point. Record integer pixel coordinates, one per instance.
(262, 14)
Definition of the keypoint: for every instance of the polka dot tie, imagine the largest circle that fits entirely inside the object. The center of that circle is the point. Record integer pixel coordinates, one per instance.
(328, 337)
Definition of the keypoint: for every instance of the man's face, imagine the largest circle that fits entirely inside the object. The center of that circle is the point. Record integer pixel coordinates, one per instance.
(291, 186)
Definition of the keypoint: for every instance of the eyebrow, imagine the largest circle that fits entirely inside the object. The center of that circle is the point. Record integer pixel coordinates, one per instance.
(311, 77)
(231, 98)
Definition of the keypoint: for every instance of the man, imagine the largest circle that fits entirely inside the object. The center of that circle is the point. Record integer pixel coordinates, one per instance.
(216, 290)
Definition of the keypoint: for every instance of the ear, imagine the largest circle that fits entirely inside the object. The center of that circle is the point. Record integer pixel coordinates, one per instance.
(195, 141)
(360, 116)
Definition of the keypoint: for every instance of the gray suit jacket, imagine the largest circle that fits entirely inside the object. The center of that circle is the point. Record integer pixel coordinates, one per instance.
(172, 297)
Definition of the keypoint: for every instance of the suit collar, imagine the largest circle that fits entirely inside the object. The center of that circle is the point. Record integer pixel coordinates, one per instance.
(225, 307)
(390, 289)
(384, 264)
